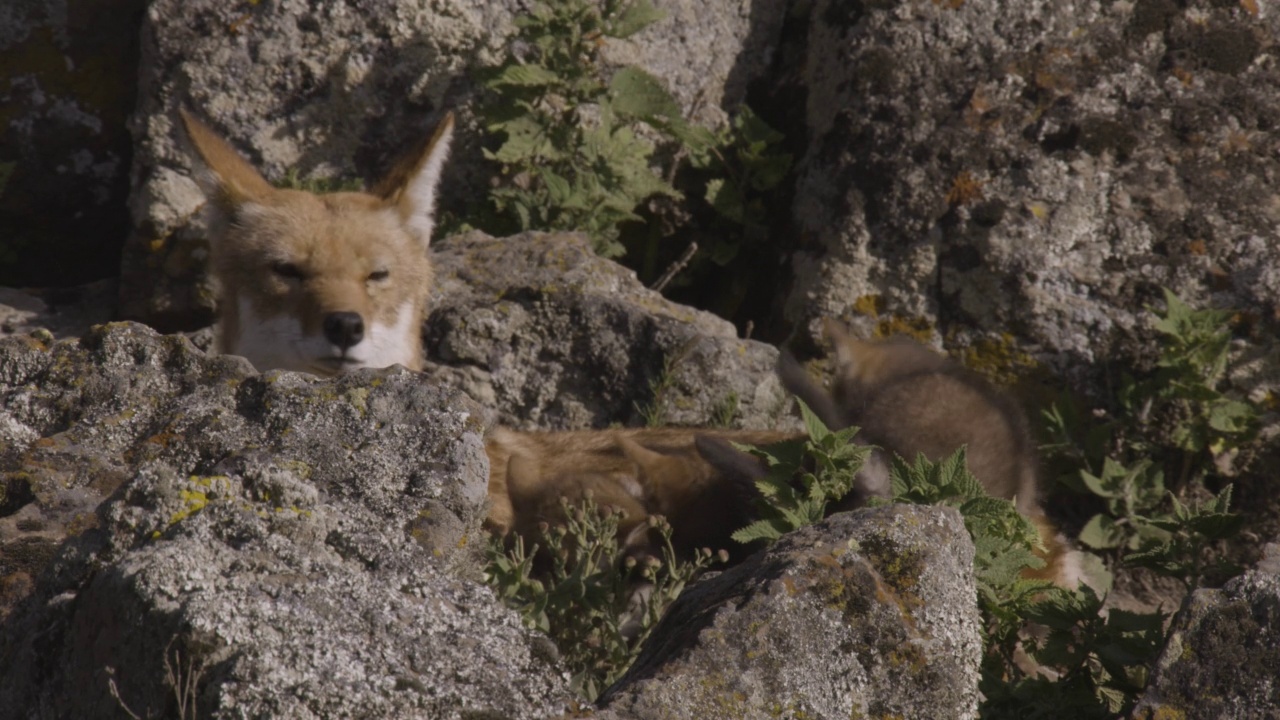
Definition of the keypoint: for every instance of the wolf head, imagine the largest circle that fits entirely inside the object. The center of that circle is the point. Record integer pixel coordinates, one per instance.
(322, 283)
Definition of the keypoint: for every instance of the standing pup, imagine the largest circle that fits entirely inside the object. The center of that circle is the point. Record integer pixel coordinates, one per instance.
(908, 400)
(322, 283)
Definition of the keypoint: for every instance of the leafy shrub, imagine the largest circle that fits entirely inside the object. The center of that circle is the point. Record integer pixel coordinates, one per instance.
(597, 607)
(1081, 662)
(1177, 422)
(577, 139)
(795, 496)
(573, 155)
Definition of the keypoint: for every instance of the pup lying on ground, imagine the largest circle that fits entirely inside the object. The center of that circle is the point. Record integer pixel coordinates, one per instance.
(321, 283)
(637, 472)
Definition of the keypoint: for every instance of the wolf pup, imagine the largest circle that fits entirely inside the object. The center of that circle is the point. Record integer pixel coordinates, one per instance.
(635, 472)
(322, 283)
(908, 400)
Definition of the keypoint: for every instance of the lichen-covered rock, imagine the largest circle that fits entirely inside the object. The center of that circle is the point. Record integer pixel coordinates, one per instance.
(868, 614)
(308, 541)
(1223, 650)
(539, 328)
(70, 76)
(344, 90)
(64, 312)
(1040, 168)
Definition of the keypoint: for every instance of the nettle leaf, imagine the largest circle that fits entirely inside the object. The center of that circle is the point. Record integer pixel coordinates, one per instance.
(725, 198)
(1102, 532)
(758, 530)
(813, 425)
(1231, 416)
(636, 95)
(525, 76)
(632, 18)
(526, 141)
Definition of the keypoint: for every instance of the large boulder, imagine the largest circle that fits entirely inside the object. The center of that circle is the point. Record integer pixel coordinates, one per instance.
(1222, 654)
(293, 547)
(868, 614)
(343, 91)
(1038, 168)
(70, 77)
(540, 329)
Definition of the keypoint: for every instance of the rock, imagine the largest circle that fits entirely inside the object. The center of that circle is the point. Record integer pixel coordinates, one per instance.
(1037, 168)
(1222, 653)
(63, 312)
(343, 93)
(310, 543)
(549, 335)
(868, 614)
(70, 74)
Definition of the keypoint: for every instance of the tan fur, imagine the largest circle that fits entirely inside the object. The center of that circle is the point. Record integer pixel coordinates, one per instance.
(909, 400)
(640, 472)
(291, 259)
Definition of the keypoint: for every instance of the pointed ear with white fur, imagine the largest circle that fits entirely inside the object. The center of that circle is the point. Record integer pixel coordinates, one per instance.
(230, 180)
(412, 188)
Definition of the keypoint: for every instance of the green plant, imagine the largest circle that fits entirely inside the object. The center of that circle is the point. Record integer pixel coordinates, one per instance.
(1178, 421)
(295, 181)
(724, 412)
(1188, 529)
(654, 412)
(596, 607)
(579, 141)
(573, 155)
(740, 165)
(793, 495)
(1081, 663)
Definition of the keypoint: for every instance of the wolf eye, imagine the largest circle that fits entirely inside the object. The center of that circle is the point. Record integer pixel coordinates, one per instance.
(378, 275)
(287, 270)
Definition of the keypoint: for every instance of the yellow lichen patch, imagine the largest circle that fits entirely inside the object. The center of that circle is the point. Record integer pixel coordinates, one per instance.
(359, 397)
(894, 325)
(998, 359)
(1162, 712)
(193, 501)
(299, 468)
(869, 305)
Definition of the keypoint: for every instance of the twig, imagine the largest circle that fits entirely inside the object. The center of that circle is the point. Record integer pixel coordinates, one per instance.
(676, 267)
(115, 693)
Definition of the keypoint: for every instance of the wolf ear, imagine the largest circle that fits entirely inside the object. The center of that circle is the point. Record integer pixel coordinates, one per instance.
(230, 179)
(741, 469)
(411, 187)
(844, 345)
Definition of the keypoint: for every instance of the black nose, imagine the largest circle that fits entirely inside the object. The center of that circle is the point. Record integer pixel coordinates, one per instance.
(344, 329)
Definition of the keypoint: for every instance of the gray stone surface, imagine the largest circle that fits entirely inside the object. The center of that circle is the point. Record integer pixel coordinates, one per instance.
(1039, 168)
(312, 542)
(1223, 650)
(344, 90)
(64, 312)
(549, 335)
(69, 74)
(868, 614)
